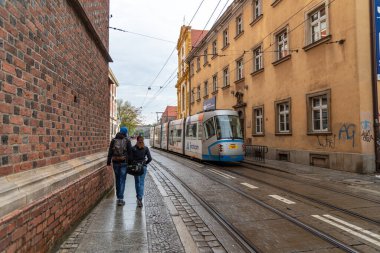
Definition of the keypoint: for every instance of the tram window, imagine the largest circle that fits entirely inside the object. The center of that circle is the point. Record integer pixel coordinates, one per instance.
(209, 128)
(191, 131)
(228, 127)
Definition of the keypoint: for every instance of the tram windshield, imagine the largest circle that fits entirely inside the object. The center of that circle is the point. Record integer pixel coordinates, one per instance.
(228, 127)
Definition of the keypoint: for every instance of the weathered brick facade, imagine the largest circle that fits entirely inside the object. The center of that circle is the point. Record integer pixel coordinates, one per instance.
(40, 225)
(54, 118)
(54, 103)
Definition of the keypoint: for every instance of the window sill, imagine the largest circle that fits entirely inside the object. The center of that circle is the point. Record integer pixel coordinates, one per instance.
(283, 134)
(319, 133)
(239, 35)
(206, 64)
(275, 2)
(198, 70)
(214, 56)
(240, 80)
(205, 97)
(317, 43)
(258, 135)
(192, 103)
(214, 92)
(283, 59)
(256, 20)
(198, 100)
(256, 72)
(225, 87)
(225, 47)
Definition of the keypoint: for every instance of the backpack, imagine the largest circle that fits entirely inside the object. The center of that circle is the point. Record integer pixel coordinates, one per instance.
(119, 146)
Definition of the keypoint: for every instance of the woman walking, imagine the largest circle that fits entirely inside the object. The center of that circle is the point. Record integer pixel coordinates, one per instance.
(140, 154)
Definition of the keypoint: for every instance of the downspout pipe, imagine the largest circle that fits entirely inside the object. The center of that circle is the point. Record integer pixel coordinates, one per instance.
(375, 98)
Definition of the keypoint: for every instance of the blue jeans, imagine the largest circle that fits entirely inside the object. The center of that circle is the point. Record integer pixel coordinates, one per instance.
(120, 170)
(139, 184)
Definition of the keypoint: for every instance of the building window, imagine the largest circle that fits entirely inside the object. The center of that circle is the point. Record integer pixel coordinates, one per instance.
(258, 122)
(183, 98)
(192, 96)
(239, 69)
(226, 77)
(206, 88)
(192, 68)
(317, 25)
(214, 48)
(225, 38)
(258, 58)
(198, 63)
(239, 25)
(214, 83)
(283, 117)
(282, 44)
(198, 92)
(257, 9)
(319, 112)
(205, 60)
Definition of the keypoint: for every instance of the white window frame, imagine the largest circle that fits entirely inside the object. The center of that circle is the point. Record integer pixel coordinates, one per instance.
(226, 77)
(239, 69)
(283, 113)
(215, 83)
(205, 83)
(225, 38)
(257, 9)
(282, 44)
(259, 120)
(317, 23)
(205, 58)
(320, 108)
(214, 48)
(258, 58)
(239, 24)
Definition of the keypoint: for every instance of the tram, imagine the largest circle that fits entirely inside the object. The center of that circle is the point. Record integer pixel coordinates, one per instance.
(210, 136)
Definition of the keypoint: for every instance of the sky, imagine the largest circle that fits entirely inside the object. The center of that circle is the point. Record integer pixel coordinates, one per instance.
(141, 62)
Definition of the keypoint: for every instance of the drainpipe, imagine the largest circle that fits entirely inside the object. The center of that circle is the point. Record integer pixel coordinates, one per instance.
(375, 98)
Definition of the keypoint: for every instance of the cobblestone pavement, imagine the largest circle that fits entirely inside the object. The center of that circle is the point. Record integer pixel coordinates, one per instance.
(201, 234)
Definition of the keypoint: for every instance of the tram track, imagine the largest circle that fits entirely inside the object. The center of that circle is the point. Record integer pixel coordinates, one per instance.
(238, 235)
(349, 212)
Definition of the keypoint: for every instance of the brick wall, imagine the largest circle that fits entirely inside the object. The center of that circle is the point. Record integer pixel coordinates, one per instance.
(54, 103)
(39, 226)
(98, 13)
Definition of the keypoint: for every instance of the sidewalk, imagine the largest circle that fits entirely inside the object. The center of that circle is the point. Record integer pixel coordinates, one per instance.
(111, 228)
(367, 183)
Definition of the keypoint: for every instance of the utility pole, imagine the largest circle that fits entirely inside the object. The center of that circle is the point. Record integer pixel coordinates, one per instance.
(157, 115)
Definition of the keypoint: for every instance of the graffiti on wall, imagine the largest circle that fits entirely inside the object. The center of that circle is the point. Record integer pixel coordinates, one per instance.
(347, 133)
(325, 141)
(366, 133)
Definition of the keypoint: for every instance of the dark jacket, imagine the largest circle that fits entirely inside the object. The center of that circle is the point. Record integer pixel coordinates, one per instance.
(127, 152)
(139, 154)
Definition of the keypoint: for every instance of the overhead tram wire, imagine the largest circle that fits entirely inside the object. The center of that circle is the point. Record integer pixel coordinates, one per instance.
(196, 12)
(212, 14)
(139, 34)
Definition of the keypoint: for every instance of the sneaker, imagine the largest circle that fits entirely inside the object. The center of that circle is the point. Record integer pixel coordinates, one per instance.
(139, 203)
(120, 202)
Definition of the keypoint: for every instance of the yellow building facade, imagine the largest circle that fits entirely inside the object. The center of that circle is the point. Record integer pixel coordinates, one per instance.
(299, 74)
(187, 40)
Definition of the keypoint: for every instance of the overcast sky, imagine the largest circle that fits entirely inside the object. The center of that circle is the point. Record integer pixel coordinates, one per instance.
(138, 60)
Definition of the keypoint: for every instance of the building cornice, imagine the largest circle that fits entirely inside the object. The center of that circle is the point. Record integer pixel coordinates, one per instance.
(78, 8)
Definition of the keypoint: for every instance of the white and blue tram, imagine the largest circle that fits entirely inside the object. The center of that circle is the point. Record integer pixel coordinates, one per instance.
(210, 136)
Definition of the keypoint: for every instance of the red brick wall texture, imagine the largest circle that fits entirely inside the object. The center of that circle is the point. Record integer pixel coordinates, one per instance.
(38, 227)
(54, 102)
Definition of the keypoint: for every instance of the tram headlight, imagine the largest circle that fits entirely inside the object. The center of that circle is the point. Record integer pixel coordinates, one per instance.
(220, 148)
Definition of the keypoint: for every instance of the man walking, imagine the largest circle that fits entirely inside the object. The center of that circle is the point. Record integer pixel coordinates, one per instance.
(120, 152)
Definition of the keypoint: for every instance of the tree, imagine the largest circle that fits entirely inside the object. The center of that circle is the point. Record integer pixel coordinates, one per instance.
(128, 115)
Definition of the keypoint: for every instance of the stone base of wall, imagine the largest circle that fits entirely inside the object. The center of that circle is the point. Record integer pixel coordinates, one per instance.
(351, 162)
(37, 207)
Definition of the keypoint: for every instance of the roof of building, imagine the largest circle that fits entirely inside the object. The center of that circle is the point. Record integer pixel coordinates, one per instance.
(197, 36)
(170, 111)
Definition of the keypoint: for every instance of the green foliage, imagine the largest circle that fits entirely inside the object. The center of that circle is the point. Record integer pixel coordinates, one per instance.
(128, 115)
